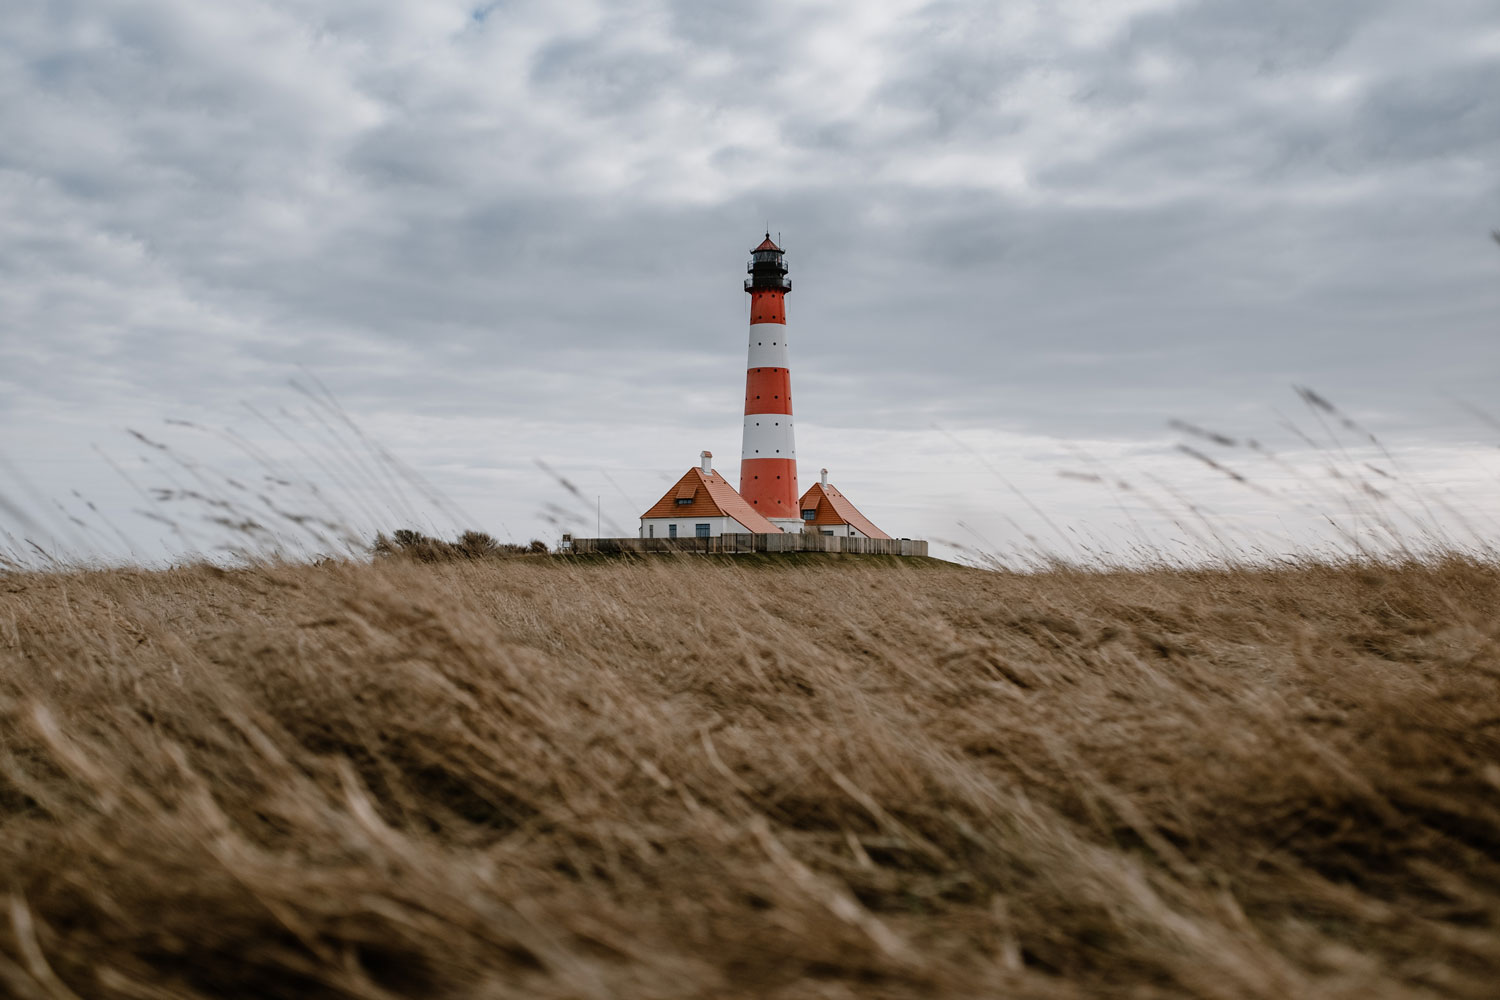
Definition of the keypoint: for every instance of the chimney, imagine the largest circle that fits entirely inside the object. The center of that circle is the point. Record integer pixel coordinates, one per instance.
(825, 477)
(708, 463)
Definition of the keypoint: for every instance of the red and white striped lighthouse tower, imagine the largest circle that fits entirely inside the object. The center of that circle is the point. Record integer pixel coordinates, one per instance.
(768, 460)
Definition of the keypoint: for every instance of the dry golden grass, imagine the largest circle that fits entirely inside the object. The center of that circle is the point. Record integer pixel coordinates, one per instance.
(684, 778)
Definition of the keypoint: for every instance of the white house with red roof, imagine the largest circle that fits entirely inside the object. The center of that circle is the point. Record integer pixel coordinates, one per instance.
(829, 512)
(703, 505)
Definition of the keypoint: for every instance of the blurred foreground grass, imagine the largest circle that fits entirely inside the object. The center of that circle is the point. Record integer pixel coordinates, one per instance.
(689, 778)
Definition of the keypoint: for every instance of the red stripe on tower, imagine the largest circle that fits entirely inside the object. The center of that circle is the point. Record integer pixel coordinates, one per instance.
(768, 458)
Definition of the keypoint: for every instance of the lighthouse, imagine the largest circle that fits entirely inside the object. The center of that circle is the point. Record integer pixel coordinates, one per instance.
(768, 456)
(702, 504)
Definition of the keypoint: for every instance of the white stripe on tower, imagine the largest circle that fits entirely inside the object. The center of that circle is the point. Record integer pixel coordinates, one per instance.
(768, 346)
(768, 435)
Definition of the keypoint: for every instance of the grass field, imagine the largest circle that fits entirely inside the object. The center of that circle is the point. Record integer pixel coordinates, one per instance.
(685, 778)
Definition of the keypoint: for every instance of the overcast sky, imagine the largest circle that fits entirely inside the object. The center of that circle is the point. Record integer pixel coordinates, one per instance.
(1023, 236)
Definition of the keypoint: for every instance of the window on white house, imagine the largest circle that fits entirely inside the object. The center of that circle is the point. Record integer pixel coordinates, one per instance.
(827, 531)
(671, 531)
(701, 530)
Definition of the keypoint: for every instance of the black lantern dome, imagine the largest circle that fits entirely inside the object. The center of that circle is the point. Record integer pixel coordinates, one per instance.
(767, 268)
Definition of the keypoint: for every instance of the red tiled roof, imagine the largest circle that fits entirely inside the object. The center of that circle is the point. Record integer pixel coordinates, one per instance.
(711, 496)
(766, 244)
(834, 508)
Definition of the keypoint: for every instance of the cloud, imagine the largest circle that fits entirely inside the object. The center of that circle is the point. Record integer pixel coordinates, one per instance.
(526, 221)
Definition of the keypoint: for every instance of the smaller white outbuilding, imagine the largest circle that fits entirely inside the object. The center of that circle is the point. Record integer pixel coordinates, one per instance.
(828, 512)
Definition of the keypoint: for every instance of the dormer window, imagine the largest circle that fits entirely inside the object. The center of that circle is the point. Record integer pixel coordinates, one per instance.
(684, 501)
(808, 515)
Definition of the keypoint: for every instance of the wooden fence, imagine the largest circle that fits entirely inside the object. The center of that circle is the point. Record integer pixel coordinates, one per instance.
(736, 544)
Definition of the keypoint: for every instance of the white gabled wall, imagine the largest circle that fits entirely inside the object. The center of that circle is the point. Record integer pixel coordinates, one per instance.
(845, 530)
(687, 526)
